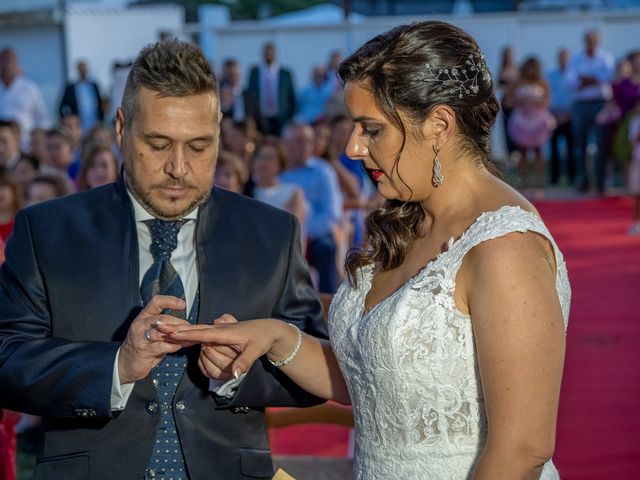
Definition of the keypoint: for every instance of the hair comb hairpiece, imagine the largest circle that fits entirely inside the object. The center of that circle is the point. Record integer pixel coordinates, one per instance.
(460, 79)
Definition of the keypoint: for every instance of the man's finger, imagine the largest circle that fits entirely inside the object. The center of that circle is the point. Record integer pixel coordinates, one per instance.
(221, 361)
(226, 318)
(211, 370)
(159, 303)
(225, 350)
(163, 348)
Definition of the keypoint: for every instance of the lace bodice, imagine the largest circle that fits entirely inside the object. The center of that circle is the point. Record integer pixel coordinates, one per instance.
(411, 367)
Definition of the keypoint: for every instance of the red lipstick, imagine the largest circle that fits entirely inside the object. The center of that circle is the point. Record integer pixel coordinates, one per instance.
(376, 174)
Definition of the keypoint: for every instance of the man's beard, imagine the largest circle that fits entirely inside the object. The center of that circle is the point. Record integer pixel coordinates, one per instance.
(144, 198)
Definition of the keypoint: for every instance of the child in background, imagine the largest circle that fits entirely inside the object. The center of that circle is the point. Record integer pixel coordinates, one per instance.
(634, 168)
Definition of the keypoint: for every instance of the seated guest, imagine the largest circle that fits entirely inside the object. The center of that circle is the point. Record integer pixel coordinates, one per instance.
(99, 167)
(319, 183)
(9, 143)
(26, 170)
(231, 173)
(47, 186)
(74, 129)
(10, 202)
(240, 138)
(269, 161)
(60, 150)
(314, 97)
(38, 145)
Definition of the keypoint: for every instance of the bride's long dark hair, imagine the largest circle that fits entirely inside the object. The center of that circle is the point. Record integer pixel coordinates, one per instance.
(393, 66)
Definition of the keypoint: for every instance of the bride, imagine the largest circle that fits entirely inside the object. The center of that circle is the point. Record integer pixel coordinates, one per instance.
(448, 337)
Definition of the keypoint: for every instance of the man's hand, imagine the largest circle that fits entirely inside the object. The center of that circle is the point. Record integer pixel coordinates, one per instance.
(229, 347)
(215, 360)
(145, 346)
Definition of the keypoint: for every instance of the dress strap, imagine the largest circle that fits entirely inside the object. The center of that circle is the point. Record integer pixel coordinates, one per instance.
(496, 224)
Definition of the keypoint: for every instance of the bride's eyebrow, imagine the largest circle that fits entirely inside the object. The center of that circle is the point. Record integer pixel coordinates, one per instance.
(364, 118)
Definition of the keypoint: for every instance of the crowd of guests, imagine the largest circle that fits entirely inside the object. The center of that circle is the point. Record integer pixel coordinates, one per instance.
(589, 98)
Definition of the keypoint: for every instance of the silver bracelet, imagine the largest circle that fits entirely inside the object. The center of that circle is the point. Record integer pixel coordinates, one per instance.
(292, 355)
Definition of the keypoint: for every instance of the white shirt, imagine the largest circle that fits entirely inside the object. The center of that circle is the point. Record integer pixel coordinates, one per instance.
(269, 78)
(600, 66)
(87, 105)
(22, 101)
(183, 260)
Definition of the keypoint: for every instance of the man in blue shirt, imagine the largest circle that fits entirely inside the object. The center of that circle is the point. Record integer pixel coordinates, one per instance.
(561, 103)
(319, 182)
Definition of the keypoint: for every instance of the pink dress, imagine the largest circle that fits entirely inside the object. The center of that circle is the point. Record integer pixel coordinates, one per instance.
(530, 125)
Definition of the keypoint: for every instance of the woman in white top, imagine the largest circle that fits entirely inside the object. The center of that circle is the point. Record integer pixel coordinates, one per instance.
(269, 160)
(448, 338)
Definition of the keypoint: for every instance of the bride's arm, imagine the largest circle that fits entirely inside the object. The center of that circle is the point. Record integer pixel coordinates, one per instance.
(520, 340)
(312, 364)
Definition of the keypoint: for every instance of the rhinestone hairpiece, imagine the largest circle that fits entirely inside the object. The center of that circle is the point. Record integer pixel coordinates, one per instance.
(460, 79)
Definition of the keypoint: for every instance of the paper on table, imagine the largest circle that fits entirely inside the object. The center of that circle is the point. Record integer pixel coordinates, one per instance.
(282, 475)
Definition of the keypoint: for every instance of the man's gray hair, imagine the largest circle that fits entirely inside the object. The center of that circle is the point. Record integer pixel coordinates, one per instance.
(171, 68)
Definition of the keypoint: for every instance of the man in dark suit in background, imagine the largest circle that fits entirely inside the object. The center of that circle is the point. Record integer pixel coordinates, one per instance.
(82, 98)
(271, 92)
(88, 277)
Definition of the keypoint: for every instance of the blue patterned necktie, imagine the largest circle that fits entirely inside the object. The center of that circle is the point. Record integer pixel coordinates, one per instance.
(166, 461)
(162, 278)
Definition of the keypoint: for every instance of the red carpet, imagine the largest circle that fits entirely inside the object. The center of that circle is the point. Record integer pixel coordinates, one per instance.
(599, 421)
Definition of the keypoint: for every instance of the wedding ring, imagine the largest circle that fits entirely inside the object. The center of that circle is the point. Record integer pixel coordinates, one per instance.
(146, 335)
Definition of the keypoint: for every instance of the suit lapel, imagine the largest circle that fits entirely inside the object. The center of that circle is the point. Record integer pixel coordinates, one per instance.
(130, 252)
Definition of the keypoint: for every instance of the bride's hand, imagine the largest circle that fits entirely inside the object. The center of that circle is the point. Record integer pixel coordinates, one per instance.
(246, 341)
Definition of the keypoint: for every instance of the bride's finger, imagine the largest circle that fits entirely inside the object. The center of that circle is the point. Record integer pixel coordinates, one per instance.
(208, 334)
(246, 359)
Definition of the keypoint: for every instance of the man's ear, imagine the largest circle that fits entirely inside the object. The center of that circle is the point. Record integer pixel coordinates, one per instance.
(119, 126)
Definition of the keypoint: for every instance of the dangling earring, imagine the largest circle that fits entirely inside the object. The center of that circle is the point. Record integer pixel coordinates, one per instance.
(437, 170)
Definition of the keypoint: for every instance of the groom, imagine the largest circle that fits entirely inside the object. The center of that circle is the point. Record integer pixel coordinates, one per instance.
(88, 276)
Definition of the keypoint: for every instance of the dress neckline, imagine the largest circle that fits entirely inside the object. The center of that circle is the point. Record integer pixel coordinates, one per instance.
(367, 270)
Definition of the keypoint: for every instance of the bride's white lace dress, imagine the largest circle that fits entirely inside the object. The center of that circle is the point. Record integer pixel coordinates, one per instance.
(411, 366)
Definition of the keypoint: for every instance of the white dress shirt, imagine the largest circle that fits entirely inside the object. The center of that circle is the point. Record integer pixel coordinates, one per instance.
(600, 66)
(269, 78)
(22, 101)
(183, 260)
(87, 105)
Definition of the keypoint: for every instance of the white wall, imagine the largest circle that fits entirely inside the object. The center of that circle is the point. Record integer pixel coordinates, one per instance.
(102, 35)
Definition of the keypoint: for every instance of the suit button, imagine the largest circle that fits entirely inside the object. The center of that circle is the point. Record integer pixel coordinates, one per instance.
(152, 407)
(240, 409)
(181, 406)
(91, 413)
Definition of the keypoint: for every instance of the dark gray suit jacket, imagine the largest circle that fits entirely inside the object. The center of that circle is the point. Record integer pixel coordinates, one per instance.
(286, 96)
(69, 290)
